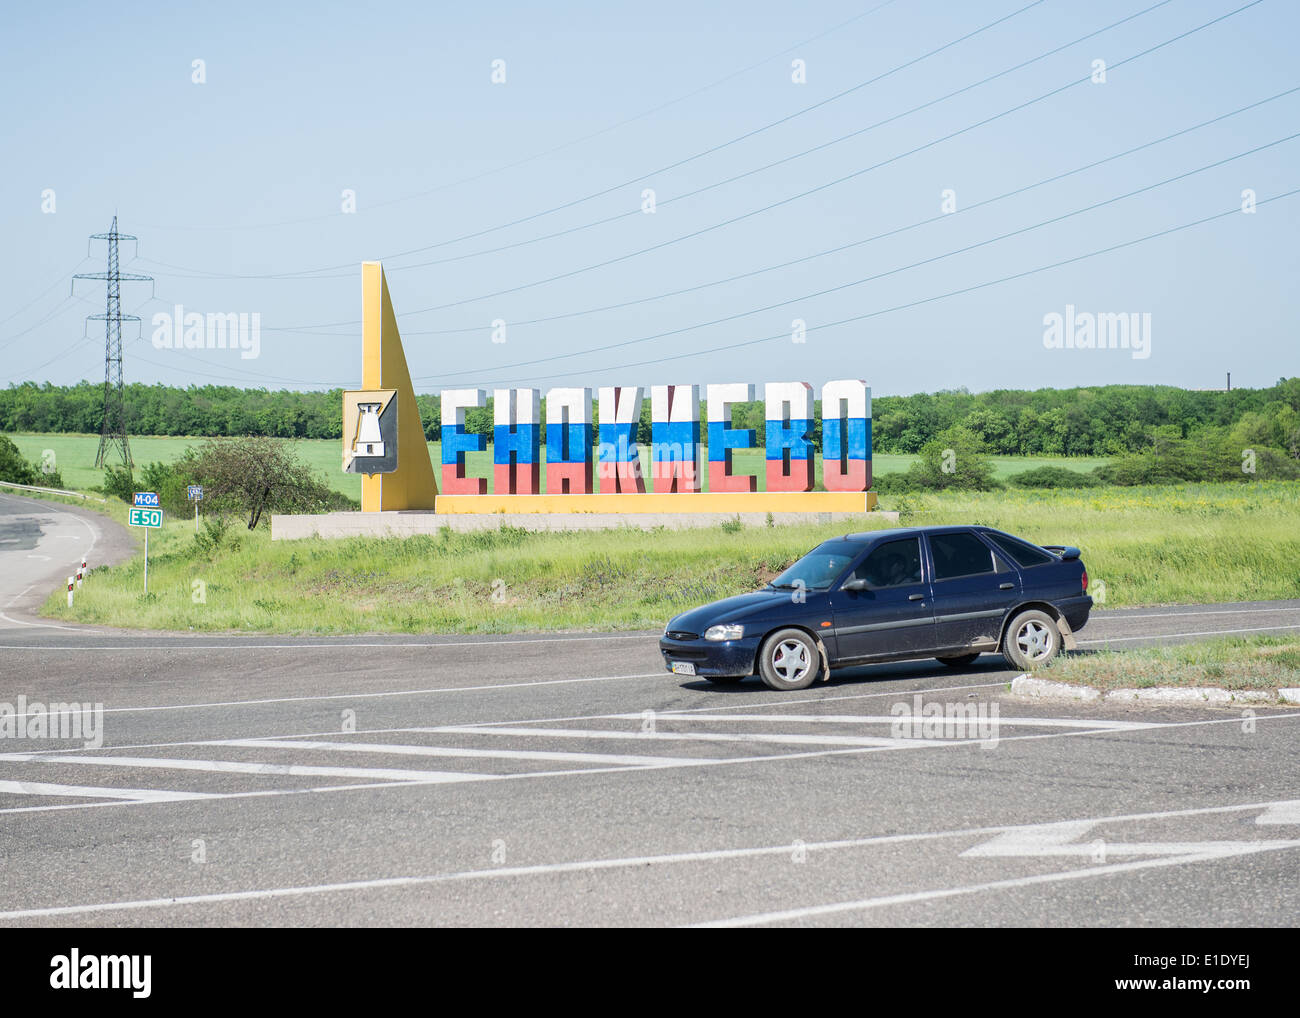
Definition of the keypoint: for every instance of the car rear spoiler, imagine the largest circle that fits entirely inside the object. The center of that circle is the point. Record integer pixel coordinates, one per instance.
(1065, 551)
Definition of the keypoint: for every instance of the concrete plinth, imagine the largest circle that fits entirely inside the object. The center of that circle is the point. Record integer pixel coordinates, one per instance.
(408, 522)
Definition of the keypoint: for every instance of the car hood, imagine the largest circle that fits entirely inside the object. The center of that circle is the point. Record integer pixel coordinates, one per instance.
(729, 609)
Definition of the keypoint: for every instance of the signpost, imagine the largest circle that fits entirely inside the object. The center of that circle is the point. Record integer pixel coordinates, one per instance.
(144, 513)
(195, 493)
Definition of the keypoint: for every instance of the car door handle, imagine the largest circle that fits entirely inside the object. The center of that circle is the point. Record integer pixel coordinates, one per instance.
(1006, 586)
(916, 597)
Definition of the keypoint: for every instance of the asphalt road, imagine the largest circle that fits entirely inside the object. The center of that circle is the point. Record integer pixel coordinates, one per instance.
(568, 780)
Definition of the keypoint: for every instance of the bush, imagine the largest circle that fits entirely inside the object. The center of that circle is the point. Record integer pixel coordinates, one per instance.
(1173, 460)
(953, 461)
(119, 483)
(169, 481)
(257, 476)
(1054, 477)
(13, 468)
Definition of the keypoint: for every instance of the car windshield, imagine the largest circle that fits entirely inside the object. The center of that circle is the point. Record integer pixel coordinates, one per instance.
(818, 569)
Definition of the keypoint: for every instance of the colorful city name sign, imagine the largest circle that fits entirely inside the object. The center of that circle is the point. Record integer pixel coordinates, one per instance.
(578, 454)
(569, 463)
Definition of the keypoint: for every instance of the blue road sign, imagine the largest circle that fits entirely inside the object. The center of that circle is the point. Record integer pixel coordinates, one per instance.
(195, 492)
(146, 498)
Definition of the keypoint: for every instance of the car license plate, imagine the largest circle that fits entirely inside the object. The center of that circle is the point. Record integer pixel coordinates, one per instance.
(683, 668)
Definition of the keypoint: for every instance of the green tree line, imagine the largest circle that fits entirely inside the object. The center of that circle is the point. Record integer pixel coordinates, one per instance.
(1112, 420)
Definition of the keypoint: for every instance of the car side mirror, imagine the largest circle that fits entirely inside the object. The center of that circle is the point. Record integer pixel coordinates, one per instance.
(855, 585)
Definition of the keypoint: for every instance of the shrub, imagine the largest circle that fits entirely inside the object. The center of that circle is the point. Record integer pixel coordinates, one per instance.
(13, 468)
(119, 483)
(1054, 477)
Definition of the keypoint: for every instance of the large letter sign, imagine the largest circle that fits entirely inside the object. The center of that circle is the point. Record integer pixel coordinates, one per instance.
(516, 442)
(789, 436)
(620, 456)
(675, 437)
(723, 438)
(600, 470)
(456, 442)
(568, 442)
(846, 435)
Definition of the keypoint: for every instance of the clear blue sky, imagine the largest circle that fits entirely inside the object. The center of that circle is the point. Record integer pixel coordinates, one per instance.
(241, 176)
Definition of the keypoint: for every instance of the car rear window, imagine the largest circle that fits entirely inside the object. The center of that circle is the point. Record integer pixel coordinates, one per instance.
(1022, 553)
(959, 555)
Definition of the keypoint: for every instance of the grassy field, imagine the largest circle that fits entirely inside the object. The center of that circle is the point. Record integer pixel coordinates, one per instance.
(1259, 662)
(75, 458)
(1176, 544)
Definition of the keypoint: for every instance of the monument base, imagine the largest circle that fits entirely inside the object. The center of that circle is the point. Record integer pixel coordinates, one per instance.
(752, 509)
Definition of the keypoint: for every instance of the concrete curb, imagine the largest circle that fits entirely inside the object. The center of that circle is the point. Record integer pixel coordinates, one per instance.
(1027, 685)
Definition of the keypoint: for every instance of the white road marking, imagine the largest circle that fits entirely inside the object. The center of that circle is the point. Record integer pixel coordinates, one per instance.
(637, 735)
(715, 855)
(181, 638)
(503, 754)
(1281, 813)
(1062, 839)
(789, 915)
(1175, 636)
(883, 719)
(97, 792)
(702, 762)
(241, 767)
(1107, 617)
(372, 696)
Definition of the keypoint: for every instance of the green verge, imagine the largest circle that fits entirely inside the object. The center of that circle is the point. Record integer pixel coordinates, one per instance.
(1159, 545)
(1256, 662)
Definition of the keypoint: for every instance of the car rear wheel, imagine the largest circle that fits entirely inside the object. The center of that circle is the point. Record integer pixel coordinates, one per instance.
(1032, 640)
(789, 659)
(958, 660)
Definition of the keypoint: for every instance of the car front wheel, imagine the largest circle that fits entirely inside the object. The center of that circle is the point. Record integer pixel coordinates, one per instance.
(1032, 640)
(789, 659)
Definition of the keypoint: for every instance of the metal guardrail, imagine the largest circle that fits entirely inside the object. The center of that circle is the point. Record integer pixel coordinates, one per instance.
(53, 491)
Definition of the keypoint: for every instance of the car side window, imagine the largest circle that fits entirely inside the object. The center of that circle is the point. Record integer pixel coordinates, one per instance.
(1021, 552)
(892, 564)
(959, 555)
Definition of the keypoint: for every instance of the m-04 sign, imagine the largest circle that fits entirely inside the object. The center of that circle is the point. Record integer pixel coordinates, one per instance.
(146, 498)
(140, 517)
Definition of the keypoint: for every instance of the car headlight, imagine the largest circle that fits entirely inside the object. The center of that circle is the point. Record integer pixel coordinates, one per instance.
(730, 631)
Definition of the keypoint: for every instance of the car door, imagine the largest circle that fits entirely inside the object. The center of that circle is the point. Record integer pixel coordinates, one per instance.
(972, 590)
(894, 615)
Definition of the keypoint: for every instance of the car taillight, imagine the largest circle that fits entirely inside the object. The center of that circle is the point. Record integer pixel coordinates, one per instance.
(1085, 581)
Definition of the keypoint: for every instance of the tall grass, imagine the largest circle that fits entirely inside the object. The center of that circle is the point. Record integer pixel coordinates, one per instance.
(1193, 543)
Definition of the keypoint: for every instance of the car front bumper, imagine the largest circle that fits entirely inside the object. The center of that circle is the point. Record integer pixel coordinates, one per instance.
(712, 657)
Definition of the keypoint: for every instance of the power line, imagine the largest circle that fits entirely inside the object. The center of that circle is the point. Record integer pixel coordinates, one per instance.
(917, 303)
(566, 145)
(803, 194)
(309, 273)
(62, 276)
(834, 250)
(880, 275)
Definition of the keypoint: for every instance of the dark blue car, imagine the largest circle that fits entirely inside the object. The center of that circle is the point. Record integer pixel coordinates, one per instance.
(890, 595)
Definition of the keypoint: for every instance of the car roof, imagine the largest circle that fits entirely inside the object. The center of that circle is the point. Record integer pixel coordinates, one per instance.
(867, 536)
